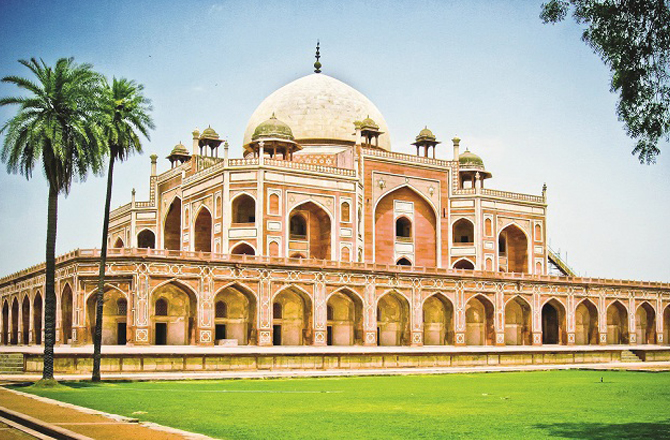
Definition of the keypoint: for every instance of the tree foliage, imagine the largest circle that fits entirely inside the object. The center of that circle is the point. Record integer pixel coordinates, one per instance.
(632, 37)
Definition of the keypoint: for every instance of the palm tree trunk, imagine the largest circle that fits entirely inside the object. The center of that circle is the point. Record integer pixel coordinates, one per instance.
(49, 288)
(97, 337)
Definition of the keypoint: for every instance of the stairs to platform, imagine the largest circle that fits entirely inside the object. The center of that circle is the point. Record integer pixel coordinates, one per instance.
(11, 363)
(629, 356)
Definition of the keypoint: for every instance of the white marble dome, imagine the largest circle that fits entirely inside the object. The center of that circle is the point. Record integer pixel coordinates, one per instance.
(319, 107)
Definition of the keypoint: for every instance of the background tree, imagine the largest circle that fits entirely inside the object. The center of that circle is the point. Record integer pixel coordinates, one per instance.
(632, 37)
(53, 126)
(124, 113)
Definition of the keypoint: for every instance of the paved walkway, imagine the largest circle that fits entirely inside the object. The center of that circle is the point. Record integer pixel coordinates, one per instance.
(82, 423)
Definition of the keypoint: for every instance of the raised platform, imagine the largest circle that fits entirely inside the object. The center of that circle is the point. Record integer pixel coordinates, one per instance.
(72, 360)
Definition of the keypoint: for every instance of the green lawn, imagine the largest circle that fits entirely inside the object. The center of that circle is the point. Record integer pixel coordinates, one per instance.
(524, 405)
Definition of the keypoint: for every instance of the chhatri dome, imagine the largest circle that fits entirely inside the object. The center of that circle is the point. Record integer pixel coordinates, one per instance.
(320, 110)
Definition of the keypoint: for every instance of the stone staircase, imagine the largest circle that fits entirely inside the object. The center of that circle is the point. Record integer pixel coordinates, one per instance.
(11, 363)
(629, 356)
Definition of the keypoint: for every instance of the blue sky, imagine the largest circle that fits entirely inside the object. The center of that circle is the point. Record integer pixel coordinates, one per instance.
(531, 99)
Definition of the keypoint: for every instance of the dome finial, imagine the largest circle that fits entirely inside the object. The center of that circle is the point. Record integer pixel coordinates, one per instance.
(317, 64)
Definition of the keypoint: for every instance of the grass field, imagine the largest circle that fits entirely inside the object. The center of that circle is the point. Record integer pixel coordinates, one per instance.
(524, 405)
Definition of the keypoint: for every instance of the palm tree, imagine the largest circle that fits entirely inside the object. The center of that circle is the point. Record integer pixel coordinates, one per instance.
(125, 111)
(54, 127)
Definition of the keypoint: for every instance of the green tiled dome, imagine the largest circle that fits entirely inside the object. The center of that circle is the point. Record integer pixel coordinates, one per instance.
(272, 128)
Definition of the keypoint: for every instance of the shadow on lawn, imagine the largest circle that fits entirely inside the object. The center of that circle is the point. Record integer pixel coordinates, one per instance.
(604, 431)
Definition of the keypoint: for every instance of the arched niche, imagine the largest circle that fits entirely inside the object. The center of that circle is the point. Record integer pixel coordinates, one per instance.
(146, 239)
(202, 231)
(6, 339)
(393, 320)
(292, 318)
(172, 229)
(438, 321)
(463, 232)
(118, 244)
(235, 315)
(344, 315)
(114, 317)
(617, 323)
(243, 249)
(14, 338)
(243, 210)
(38, 307)
(518, 322)
(479, 321)
(174, 314)
(25, 320)
(586, 323)
(311, 223)
(513, 250)
(553, 323)
(645, 324)
(67, 309)
(465, 264)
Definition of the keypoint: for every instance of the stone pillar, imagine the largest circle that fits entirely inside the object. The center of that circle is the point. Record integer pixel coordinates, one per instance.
(10, 322)
(570, 319)
(31, 323)
(632, 325)
(659, 320)
(205, 318)
(537, 319)
(459, 317)
(142, 308)
(264, 319)
(58, 334)
(320, 311)
(498, 313)
(20, 326)
(417, 317)
(602, 320)
(370, 312)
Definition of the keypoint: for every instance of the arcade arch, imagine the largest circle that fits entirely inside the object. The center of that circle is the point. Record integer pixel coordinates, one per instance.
(66, 310)
(393, 320)
(518, 322)
(114, 316)
(14, 338)
(235, 315)
(617, 323)
(666, 326)
(463, 231)
(5, 323)
(586, 323)
(645, 324)
(118, 244)
(479, 321)
(25, 320)
(291, 317)
(464, 263)
(438, 320)
(37, 318)
(344, 318)
(173, 315)
(553, 323)
(243, 210)
(243, 249)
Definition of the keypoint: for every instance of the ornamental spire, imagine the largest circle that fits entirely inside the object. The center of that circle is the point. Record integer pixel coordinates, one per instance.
(317, 64)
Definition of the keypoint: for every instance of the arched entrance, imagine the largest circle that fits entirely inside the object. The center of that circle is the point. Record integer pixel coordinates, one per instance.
(513, 250)
(645, 324)
(292, 318)
(114, 317)
(15, 322)
(5, 323)
(438, 321)
(66, 309)
(202, 231)
(403, 262)
(479, 321)
(405, 203)
(146, 240)
(617, 324)
(235, 315)
(344, 315)
(392, 320)
(310, 230)
(243, 249)
(518, 322)
(174, 315)
(172, 234)
(119, 243)
(586, 323)
(553, 323)
(666, 326)
(37, 318)
(463, 232)
(25, 320)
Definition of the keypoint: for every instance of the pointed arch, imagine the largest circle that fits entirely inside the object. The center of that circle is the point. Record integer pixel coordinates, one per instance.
(114, 313)
(666, 325)
(172, 226)
(25, 320)
(438, 320)
(393, 318)
(463, 231)
(553, 322)
(586, 323)
(67, 310)
(243, 248)
(424, 216)
(38, 307)
(645, 323)
(309, 220)
(479, 321)
(617, 323)
(404, 261)
(6, 338)
(202, 230)
(146, 239)
(464, 263)
(344, 317)
(178, 326)
(118, 244)
(513, 249)
(14, 338)
(243, 209)
(518, 321)
(239, 302)
(292, 316)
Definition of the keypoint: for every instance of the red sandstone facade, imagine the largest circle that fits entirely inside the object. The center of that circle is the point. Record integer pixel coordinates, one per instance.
(330, 240)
